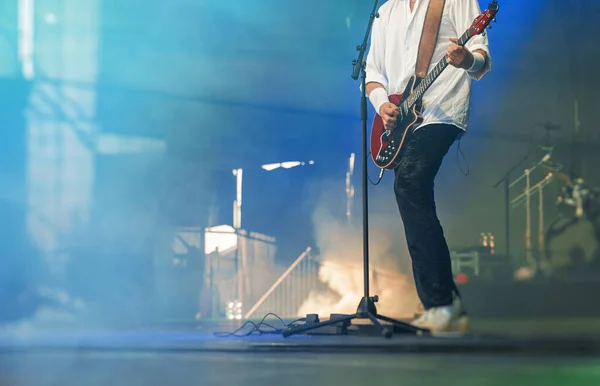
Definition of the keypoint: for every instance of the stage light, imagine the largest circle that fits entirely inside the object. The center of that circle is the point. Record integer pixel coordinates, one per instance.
(291, 164)
(234, 310)
(285, 165)
(462, 278)
(271, 167)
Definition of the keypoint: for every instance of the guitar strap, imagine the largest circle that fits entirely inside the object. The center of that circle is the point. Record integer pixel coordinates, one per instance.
(429, 36)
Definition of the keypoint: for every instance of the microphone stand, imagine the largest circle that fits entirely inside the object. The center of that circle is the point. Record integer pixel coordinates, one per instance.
(366, 308)
(507, 185)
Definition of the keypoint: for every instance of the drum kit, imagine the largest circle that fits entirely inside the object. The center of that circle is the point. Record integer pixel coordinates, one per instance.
(572, 239)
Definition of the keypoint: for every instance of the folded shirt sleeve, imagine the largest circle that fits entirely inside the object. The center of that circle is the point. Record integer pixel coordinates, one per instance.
(464, 13)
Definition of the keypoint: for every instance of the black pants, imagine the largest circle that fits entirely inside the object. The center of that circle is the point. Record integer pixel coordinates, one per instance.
(421, 159)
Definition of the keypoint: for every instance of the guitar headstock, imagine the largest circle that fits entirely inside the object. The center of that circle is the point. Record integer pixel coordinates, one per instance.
(483, 21)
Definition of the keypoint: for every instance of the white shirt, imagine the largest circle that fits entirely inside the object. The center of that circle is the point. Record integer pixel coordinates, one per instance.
(393, 55)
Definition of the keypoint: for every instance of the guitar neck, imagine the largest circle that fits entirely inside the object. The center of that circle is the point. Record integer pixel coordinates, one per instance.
(418, 92)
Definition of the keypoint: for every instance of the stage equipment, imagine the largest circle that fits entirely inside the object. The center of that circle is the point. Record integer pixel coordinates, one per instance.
(350, 188)
(525, 197)
(505, 181)
(574, 236)
(237, 266)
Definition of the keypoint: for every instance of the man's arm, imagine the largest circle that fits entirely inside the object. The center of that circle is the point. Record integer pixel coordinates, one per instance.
(371, 86)
(475, 57)
(375, 66)
(474, 62)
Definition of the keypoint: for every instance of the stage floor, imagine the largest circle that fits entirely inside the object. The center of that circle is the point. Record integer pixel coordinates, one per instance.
(181, 355)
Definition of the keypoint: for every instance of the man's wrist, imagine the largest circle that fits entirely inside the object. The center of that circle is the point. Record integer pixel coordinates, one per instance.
(378, 97)
(478, 62)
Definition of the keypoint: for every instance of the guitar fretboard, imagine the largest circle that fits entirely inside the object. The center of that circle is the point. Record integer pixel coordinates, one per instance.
(418, 92)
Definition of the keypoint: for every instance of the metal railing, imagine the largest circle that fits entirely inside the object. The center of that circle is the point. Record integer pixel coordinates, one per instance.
(290, 290)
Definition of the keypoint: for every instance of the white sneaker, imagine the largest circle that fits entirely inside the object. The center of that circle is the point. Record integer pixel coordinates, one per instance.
(445, 321)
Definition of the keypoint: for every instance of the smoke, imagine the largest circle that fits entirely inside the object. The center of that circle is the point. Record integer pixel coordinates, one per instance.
(341, 255)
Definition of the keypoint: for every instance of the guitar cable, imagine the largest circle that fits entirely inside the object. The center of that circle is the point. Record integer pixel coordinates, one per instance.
(380, 176)
(459, 151)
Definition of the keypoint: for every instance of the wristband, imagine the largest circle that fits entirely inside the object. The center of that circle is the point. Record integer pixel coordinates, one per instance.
(478, 62)
(378, 97)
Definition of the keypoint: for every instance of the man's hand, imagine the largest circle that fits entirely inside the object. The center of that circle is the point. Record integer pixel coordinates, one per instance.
(459, 56)
(389, 113)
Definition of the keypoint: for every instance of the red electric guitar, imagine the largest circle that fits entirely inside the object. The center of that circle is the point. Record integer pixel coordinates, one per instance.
(386, 145)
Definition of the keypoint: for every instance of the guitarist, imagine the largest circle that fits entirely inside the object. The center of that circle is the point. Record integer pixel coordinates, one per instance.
(395, 46)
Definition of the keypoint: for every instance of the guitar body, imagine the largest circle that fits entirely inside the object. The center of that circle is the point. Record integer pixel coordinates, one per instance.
(387, 146)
